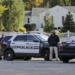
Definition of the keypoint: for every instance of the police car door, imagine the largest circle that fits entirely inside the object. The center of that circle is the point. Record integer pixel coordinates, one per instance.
(31, 45)
(19, 44)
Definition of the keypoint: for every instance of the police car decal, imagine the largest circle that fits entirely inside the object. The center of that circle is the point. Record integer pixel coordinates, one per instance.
(25, 47)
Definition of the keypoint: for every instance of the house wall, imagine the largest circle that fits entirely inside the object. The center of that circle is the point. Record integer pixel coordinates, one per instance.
(26, 20)
(57, 13)
(35, 19)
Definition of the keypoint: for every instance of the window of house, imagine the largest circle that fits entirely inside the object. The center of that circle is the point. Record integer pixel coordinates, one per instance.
(62, 19)
(28, 20)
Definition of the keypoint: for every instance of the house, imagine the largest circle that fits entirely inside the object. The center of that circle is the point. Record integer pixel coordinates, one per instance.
(36, 15)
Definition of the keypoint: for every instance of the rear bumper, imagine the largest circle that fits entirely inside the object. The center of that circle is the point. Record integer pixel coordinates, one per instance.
(66, 54)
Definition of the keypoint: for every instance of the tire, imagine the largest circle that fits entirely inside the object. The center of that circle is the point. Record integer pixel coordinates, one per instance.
(65, 60)
(9, 55)
(26, 58)
(46, 55)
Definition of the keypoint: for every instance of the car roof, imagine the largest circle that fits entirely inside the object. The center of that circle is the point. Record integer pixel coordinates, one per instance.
(23, 34)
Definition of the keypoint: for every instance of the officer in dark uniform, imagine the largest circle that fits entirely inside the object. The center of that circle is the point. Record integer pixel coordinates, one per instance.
(53, 41)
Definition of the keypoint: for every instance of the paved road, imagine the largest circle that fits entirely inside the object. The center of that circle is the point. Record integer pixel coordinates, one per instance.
(36, 67)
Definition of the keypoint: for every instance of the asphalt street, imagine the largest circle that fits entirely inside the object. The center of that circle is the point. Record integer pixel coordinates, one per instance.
(36, 67)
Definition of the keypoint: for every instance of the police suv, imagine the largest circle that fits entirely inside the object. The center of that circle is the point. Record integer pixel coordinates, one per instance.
(25, 46)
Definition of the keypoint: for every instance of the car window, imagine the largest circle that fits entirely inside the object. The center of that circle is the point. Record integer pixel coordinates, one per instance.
(71, 39)
(30, 38)
(20, 38)
(6, 38)
(42, 37)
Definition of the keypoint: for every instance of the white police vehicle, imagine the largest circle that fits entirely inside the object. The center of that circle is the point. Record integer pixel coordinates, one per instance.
(26, 46)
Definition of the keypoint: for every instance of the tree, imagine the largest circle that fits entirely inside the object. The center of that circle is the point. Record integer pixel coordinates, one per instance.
(69, 23)
(13, 18)
(32, 3)
(2, 9)
(51, 3)
(65, 2)
(48, 22)
(54, 3)
(72, 2)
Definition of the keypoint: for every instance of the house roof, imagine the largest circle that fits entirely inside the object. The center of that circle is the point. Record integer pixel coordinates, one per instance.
(28, 13)
(36, 11)
(71, 8)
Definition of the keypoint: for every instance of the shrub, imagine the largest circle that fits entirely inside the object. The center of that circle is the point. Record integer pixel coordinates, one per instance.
(28, 27)
(59, 27)
(22, 29)
(55, 28)
(59, 33)
(33, 26)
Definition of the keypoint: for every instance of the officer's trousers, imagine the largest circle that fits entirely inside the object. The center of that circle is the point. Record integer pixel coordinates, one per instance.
(51, 52)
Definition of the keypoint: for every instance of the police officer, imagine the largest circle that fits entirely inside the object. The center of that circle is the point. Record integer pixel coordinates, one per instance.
(53, 41)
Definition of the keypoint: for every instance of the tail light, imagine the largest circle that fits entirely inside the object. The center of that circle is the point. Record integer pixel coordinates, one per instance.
(60, 46)
(0, 43)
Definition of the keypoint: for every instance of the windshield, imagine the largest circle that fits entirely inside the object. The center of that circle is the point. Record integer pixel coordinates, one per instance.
(42, 37)
(6, 38)
(72, 38)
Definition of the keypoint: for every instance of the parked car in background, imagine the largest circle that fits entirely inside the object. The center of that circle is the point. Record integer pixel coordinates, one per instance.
(67, 49)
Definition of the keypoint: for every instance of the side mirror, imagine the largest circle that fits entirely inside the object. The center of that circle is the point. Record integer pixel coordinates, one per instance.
(35, 41)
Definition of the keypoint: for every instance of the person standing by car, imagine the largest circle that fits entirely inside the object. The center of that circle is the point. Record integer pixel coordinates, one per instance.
(1, 37)
(0, 41)
(53, 41)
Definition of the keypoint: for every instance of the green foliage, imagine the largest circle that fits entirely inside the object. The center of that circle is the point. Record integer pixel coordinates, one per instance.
(14, 16)
(69, 23)
(72, 2)
(2, 9)
(33, 26)
(54, 3)
(32, 3)
(48, 22)
(47, 3)
(28, 27)
(65, 2)
(59, 33)
(22, 29)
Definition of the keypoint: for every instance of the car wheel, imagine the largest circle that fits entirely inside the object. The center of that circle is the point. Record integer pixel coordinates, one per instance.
(26, 58)
(46, 55)
(65, 60)
(9, 55)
